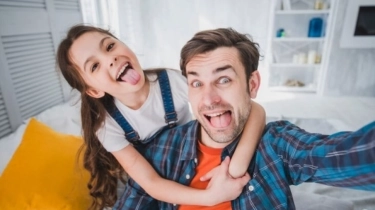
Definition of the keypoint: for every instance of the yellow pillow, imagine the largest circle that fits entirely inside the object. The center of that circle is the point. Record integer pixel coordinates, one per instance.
(44, 172)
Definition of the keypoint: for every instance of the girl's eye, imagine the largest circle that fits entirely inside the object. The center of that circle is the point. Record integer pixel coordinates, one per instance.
(196, 84)
(224, 80)
(110, 46)
(93, 68)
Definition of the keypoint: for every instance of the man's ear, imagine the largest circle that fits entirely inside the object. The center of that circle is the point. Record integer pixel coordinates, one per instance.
(254, 83)
(95, 93)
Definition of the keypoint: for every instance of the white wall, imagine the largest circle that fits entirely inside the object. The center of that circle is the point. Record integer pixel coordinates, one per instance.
(159, 29)
(351, 72)
(170, 24)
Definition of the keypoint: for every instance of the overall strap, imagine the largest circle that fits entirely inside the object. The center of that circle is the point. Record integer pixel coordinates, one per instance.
(170, 115)
(130, 134)
(166, 93)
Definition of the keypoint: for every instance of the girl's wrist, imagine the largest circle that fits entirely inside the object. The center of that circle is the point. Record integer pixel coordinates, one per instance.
(208, 199)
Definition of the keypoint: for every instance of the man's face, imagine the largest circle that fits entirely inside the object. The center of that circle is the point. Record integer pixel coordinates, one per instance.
(218, 94)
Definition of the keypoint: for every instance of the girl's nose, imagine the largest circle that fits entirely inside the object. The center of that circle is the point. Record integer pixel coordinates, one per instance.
(112, 62)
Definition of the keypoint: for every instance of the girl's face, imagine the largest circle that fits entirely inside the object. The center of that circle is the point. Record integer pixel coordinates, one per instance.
(107, 65)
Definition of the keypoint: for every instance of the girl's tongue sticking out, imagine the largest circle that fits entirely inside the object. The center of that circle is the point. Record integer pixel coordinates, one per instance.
(131, 76)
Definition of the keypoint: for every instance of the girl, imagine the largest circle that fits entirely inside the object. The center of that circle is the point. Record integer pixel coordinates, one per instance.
(120, 100)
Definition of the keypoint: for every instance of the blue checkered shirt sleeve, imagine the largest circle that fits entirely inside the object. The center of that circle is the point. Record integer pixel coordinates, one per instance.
(344, 159)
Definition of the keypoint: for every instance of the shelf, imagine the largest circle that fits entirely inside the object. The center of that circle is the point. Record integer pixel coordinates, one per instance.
(309, 89)
(293, 65)
(301, 12)
(284, 58)
(298, 39)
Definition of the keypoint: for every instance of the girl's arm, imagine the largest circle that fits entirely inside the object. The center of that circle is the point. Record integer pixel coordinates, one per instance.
(249, 141)
(224, 188)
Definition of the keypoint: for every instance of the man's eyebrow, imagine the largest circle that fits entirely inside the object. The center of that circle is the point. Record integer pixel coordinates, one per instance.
(101, 43)
(223, 68)
(217, 70)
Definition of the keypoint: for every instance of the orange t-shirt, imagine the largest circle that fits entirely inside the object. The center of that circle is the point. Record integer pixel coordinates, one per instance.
(208, 158)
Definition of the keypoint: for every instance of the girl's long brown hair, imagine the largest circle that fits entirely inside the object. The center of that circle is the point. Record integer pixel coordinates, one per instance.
(104, 169)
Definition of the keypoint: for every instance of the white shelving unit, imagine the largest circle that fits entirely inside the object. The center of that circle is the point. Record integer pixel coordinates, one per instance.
(284, 71)
(301, 11)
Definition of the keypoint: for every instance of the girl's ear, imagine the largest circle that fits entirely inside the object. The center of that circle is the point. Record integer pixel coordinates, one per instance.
(95, 93)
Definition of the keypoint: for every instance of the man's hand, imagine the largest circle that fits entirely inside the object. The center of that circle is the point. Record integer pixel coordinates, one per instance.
(222, 187)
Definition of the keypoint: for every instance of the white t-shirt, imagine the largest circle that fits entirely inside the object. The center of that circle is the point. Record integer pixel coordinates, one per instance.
(149, 118)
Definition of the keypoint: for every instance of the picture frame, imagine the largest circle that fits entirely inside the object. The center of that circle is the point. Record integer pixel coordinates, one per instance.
(359, 28)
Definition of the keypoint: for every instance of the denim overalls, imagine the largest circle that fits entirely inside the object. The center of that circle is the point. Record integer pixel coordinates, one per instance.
(170, 114)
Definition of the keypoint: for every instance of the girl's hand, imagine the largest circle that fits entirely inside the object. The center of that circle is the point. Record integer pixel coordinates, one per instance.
(222, 186)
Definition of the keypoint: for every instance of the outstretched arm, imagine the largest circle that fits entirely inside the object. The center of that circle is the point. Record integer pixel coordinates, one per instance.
(172, 192)
(343, 159)
(249, 140)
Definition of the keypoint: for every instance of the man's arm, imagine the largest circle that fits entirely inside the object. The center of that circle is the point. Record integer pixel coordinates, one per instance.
(344, 159)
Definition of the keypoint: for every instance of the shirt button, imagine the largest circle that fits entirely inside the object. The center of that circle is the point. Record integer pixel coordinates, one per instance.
(195, 160)
(251, 188)
(187, 176)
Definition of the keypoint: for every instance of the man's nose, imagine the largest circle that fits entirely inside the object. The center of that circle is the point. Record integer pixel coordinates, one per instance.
(210, 96)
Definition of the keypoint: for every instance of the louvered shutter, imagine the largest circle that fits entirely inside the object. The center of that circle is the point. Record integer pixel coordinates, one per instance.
(23, 3)
(30, 31)
(5, 128)
(67, 5)
(31, 62)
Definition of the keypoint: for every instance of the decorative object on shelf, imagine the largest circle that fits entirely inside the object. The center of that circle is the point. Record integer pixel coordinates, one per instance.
(318, 58)
(311, 57)
(294, 83)
(302, 58)
(318, 4)
(280, 33)
(315, 27)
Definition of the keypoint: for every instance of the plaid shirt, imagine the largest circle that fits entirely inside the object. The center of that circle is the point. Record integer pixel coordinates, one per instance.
(286, 155)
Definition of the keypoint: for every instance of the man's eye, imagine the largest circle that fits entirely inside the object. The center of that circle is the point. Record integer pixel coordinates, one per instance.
(93, 68)
(196, 84)
(224, 80)
(110, 46)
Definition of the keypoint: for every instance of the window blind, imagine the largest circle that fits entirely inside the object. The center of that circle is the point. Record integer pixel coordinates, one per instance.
(23, 3)
(5, 128)
(30, 31)
(31, 62)
(67, 5)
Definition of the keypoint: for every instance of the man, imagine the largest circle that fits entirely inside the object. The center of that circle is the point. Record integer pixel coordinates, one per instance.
(221, 70)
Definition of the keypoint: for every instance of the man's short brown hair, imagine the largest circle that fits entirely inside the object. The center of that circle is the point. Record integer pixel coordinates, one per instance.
(209, 40)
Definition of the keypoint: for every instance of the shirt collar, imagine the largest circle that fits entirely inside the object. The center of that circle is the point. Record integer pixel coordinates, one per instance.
(189, 145)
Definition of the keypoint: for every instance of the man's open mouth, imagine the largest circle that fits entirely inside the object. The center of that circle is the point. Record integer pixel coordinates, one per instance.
(219, 119)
